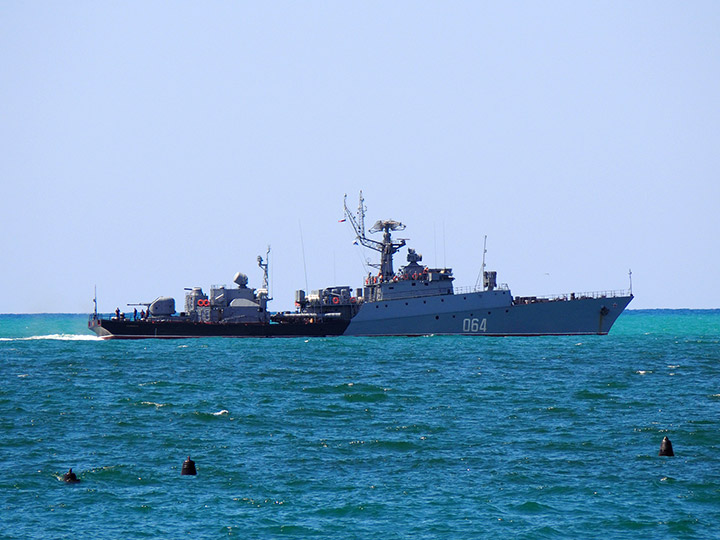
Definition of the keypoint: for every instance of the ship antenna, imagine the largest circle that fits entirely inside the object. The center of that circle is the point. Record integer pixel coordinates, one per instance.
(444, 259)
(482, 268)
(361, 212)
(358, 223)
(264, 265)
(95, 302)
(630, 277)
(302, 245)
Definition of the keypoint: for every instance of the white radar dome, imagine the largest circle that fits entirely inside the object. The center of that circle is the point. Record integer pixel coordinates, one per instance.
(241, 279)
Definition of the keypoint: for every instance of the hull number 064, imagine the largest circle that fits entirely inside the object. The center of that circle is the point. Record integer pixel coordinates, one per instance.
(474, 325)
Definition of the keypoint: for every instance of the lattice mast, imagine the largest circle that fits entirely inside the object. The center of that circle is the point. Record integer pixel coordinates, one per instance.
(387, 248)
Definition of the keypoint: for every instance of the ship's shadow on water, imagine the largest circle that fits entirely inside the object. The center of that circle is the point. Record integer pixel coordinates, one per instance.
(430, 437)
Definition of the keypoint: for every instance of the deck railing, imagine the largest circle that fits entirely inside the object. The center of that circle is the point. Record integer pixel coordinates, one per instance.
(574, 296)
(472, 289)
(552, 297)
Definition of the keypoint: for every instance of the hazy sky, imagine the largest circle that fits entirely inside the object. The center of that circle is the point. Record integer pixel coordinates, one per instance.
(151, 146)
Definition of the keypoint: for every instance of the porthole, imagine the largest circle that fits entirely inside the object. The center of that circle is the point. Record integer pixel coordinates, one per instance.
(437, 317)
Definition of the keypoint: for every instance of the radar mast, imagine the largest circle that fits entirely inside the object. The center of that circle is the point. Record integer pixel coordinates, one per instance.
(264, 266)
(387, 248)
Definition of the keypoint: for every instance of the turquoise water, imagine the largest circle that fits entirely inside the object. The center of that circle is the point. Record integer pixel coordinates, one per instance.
(435, 437)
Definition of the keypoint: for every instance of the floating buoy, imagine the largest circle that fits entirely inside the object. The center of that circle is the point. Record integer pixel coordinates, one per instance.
(666, 448)
(188, 467)
(70, 477)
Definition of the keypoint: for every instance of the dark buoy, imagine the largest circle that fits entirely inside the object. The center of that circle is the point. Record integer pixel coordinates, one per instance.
(70, 477)
(188, 467)
(666, 448)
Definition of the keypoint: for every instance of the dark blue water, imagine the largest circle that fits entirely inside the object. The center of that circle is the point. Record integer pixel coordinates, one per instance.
(435, 437)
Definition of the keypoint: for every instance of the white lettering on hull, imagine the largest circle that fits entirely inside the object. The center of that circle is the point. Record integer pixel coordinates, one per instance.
(474, 325)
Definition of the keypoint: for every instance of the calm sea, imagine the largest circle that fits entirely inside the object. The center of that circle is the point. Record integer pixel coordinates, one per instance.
(423, 438)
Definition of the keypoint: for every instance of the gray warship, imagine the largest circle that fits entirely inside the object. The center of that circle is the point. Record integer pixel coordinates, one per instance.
(415, 300)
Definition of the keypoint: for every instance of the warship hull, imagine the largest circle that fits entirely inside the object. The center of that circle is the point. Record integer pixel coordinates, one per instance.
(129, 329)
(469, 315)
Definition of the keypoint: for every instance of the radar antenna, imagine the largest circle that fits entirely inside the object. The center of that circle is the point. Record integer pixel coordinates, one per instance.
(387, 247)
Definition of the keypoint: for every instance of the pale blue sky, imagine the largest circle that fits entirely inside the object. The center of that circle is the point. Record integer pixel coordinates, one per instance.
(151, 146)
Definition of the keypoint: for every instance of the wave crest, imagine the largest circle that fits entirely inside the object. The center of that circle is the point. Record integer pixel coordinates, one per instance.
(57, 337)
